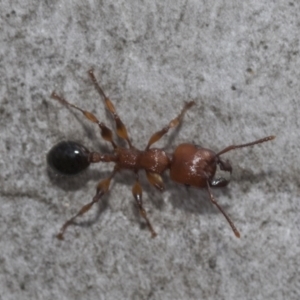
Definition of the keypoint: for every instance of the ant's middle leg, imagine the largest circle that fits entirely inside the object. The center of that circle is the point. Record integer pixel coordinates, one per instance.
(106, 133)
(121, 128)
(137, 193)
(102, 188)
(175, 122)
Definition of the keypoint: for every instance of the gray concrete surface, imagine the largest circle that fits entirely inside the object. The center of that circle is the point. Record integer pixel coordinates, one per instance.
(238, 61)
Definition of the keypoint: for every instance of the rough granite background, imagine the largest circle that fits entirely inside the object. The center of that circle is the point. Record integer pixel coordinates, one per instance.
(240, 62)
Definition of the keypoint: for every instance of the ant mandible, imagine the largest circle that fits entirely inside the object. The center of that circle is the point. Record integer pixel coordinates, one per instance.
(189, 164)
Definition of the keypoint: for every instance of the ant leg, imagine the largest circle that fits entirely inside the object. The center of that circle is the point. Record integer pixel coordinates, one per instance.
(106, 133)
(232, 147)
(102, 188)
(121, 128)
(212, 199)
(156, 180)
(175, 122)
(137, 193)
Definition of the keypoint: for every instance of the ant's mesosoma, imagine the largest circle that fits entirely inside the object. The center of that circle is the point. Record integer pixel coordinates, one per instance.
(189, 165)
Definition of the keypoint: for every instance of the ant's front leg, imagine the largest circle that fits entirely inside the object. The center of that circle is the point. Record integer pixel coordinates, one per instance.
(175, 122)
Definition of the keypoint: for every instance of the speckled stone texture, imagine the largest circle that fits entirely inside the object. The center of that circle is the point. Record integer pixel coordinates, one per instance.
(238, 60)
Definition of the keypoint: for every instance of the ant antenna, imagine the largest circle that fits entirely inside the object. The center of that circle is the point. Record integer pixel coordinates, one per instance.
(213, 200)
(232, 147)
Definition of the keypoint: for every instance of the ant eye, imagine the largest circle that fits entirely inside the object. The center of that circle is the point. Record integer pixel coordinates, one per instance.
(68, 158)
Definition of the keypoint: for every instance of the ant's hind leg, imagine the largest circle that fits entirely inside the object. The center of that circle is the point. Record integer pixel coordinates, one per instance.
(137, 193)
(175, 122)
(106, 133)
(121, 128)
(102, 188)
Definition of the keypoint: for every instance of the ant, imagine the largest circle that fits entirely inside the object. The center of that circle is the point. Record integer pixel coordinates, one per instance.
(189, 164)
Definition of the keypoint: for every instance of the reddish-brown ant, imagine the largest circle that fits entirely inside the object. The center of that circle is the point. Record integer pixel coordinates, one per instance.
(189, 165)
